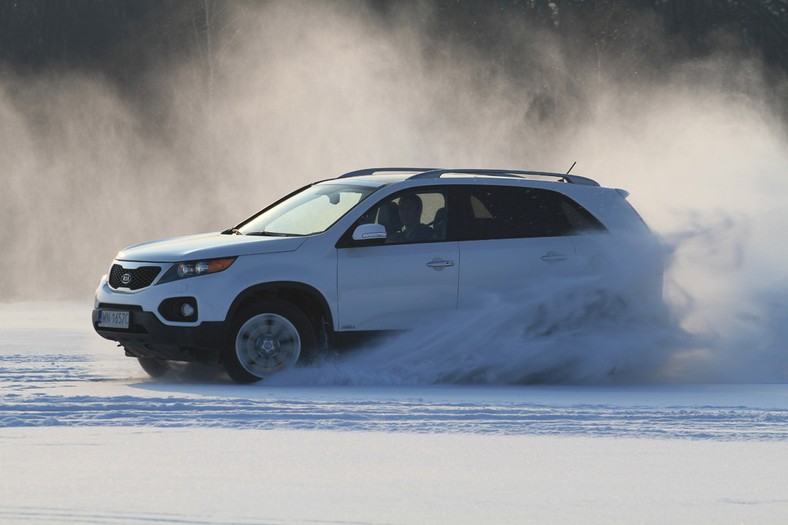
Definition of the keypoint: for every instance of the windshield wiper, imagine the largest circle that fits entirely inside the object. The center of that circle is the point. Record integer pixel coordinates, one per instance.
(276, 234)
(232, 231)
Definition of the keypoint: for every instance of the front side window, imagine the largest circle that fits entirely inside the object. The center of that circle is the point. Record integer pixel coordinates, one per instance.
(310, 211)
(505, 212)
(411, 216)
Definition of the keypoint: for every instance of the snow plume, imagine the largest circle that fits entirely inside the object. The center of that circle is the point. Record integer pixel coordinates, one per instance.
(577, 331)
(291, 92)
(572, 333)
(587, 330)
(721, 209)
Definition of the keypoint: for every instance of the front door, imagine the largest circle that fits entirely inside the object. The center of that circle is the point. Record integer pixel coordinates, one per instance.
(410, 280)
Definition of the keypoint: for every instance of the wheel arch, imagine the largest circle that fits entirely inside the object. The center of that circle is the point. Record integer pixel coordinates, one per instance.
(303, 296)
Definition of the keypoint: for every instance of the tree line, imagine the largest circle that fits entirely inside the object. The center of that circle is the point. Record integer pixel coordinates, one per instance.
(36, 34)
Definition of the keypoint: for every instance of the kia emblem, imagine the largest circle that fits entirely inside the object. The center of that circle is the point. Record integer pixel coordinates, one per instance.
(125, 278)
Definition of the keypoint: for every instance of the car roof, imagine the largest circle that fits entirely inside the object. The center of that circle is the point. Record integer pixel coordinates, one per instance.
(391, 175)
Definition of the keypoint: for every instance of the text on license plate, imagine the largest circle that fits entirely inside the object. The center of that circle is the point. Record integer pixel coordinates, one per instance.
(113, 319)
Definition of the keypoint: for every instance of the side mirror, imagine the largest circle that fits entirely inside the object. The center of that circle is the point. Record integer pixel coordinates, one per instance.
(370, 233)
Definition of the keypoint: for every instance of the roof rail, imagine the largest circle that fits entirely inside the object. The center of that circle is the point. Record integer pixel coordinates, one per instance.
(435, 173)
(572, 179)
(373, 171)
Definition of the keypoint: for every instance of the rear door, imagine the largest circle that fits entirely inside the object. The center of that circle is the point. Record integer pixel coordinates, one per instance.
(513, 238)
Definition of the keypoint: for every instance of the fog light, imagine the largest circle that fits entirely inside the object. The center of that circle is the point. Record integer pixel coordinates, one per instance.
(179, 309)
(187, 310)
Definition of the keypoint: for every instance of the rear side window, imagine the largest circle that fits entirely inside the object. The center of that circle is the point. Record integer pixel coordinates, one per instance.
(506, 212)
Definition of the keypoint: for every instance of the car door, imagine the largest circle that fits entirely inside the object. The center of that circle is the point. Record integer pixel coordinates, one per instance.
(512, 238)
(410, 279)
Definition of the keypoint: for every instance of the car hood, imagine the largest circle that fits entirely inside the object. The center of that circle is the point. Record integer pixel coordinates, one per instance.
(207, 246)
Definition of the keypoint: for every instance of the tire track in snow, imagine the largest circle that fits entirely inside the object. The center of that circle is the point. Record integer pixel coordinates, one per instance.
(29, 370)
(65, 515)
(391, 415)
(69, 389)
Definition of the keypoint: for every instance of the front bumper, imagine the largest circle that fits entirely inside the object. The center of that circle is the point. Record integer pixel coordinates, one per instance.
(147, 336)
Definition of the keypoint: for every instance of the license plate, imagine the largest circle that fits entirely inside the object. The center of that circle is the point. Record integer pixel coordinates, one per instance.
(113, 319)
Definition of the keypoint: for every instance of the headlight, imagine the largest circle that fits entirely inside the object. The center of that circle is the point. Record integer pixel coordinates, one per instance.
(185, 270)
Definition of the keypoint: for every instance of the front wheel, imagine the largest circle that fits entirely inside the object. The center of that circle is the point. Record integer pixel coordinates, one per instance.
(267, 337)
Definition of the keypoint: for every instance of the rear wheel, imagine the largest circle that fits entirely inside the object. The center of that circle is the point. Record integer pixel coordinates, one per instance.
(267, 337)
(153, 366)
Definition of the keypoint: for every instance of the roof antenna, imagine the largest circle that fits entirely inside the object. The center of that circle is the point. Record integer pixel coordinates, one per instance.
(570, 168)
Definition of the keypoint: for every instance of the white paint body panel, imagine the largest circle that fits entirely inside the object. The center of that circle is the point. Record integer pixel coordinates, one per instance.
(498, 267)
(392, 287)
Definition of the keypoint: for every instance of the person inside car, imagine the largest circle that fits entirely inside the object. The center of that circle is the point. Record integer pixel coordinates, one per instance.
(410, 207)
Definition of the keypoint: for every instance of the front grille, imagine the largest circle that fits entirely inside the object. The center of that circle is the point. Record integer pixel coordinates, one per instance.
(137, 277)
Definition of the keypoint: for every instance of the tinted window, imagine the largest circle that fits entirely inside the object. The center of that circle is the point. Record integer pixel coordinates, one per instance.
(502, 212)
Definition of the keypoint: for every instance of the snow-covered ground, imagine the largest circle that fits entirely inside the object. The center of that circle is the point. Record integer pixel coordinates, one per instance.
(87, 437)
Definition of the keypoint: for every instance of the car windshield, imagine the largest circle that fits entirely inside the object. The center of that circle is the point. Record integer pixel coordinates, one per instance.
(310, 211)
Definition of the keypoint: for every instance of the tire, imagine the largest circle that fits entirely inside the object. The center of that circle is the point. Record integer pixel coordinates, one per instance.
(265, 338)
(153, 366)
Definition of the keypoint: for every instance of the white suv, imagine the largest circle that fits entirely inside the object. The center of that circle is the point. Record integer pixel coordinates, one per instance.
(372, 250)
